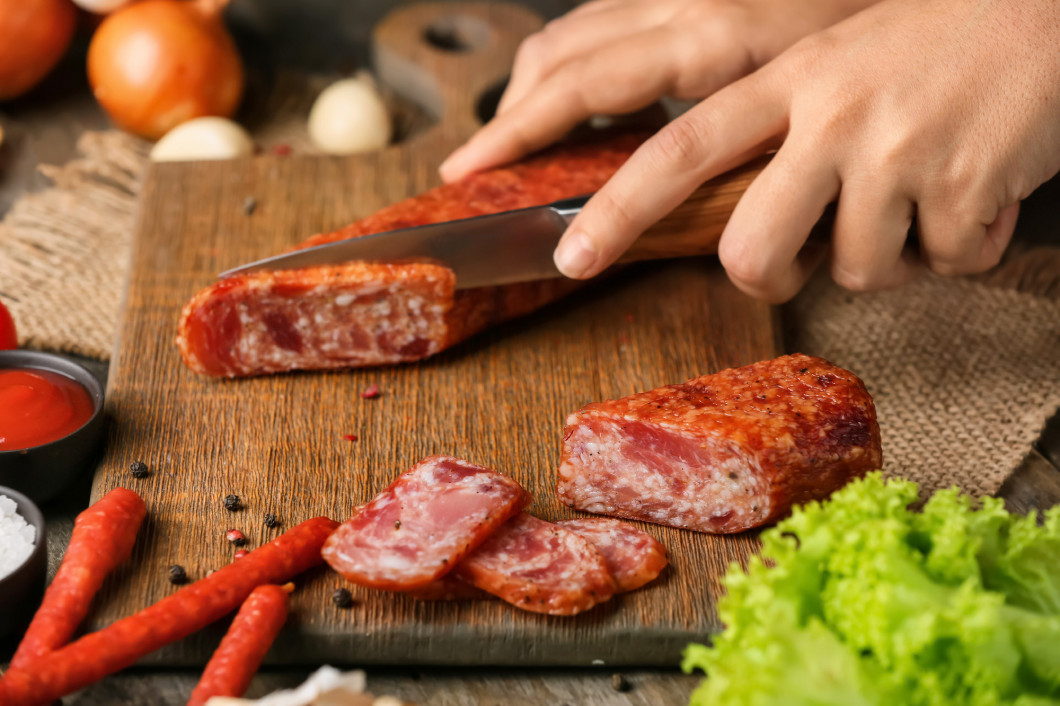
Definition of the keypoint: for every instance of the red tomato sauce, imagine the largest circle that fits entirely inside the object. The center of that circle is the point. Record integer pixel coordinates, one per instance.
(39, 406)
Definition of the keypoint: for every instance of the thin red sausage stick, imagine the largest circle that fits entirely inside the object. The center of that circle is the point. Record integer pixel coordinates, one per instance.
(103, 538)
(192, 608)
(256, 625)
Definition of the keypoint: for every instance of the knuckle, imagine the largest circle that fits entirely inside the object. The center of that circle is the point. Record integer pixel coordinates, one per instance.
(741, 265)
(855, 278)
(533, 51)
(962, 174)
(804, 58)
(945, 268)
(951, 248)
(717, 47)
(554, 27)
(712, 19)
(951, 231)
(970, 257)
(682, 142)
(824, 103)
(616, 209)
(779, 295)
(819, 45)
(990, 258)
(832, 114)
(952, 254)
(958, 188)
(580, 95)
(893, 153)
(514, 133)
(588, 7)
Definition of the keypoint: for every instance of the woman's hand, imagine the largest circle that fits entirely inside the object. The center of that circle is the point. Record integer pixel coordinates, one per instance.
(948, 110)
(618, 56)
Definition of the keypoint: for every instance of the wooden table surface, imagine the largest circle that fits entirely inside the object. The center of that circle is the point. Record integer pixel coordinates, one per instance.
(331, 35)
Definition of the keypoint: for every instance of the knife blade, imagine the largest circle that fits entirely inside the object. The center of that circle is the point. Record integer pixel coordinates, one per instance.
(517, 246)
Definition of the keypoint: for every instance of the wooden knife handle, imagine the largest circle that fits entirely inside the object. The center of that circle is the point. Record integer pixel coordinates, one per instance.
(695, 227)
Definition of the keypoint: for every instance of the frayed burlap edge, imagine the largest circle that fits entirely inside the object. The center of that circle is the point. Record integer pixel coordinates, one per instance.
(964, 374)
(64, 251)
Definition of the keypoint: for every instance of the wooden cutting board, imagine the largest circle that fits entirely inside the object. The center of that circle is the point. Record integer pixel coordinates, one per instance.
(499, 399)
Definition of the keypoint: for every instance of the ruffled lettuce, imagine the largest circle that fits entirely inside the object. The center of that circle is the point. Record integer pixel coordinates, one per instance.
(862, 600)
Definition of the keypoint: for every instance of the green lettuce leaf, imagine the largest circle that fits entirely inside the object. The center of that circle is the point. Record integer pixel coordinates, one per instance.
(862, 600)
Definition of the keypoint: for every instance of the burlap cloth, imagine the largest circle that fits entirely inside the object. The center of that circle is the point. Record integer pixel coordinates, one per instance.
(964, 373)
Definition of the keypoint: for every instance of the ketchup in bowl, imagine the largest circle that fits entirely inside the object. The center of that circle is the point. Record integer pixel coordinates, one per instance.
(39, 406)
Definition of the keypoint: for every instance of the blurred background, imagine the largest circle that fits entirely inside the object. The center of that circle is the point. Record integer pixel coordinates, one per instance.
(290, 51)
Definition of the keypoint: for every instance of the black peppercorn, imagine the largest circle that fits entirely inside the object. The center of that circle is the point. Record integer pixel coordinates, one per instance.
(233, 503)
(342, 598)
(270, 520)
(177, 574)
(138, 469)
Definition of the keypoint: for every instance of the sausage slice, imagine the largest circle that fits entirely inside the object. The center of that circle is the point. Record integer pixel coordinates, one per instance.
(633, 556)
(417, 529)
(540, 567)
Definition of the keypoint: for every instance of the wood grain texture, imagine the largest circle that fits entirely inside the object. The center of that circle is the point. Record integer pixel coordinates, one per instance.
(500, 400)
(426, 687)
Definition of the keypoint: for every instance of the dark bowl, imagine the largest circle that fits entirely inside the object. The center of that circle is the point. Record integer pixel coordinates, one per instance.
(21, 590)
(42, 472)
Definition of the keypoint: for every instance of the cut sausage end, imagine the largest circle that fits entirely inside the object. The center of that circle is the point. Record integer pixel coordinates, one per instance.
(725, 452)
(317, 318)
(364, 314)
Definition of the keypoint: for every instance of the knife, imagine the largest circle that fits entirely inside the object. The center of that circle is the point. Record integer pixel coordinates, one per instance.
(517, 246)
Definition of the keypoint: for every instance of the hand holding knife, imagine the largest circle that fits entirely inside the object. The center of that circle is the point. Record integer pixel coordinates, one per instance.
(517, 246)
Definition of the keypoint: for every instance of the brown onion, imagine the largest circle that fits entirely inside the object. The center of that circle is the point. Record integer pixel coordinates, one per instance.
(33, 36)
(156, 64)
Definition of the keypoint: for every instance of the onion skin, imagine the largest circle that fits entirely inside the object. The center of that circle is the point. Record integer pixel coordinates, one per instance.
(156, 64)
(35, 35)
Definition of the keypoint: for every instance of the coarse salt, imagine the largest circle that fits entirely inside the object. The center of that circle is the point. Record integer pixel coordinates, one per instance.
(17, 538)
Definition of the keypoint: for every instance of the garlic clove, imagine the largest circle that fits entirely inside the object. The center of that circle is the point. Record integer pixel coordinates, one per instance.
(203, 139)
(349, 117)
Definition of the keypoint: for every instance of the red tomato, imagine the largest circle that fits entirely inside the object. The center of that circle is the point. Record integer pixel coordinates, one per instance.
(8, 337)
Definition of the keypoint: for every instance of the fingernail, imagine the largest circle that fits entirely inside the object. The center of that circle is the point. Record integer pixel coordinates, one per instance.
(574, 257)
